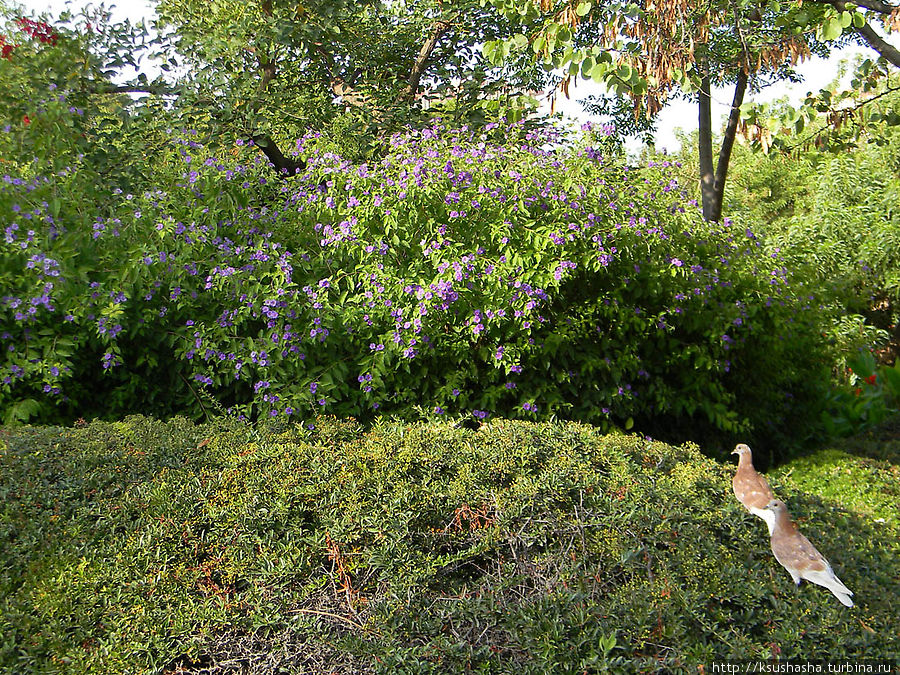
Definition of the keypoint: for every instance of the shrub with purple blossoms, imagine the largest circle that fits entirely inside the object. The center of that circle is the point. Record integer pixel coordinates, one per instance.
(478, 272)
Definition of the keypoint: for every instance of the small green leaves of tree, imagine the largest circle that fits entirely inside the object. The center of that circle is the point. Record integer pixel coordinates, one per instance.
(833, 119)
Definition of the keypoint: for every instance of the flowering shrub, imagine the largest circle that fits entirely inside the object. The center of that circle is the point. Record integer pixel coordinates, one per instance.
(37, 30)
(477, 272)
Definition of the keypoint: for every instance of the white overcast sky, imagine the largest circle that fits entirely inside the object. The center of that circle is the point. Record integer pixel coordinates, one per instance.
(816, 73)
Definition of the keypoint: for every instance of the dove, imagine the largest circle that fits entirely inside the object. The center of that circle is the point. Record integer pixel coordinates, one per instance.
(800, 558)
(750, 488)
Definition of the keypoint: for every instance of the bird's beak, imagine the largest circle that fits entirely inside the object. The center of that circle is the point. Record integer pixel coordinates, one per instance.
(735, 452)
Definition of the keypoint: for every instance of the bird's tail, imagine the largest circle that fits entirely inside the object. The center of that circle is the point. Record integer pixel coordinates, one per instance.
(829, 580)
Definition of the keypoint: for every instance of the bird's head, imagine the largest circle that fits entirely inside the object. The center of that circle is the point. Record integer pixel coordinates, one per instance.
(741, 449)
(776, 505)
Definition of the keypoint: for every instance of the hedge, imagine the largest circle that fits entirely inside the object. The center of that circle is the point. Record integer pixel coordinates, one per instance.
(148, 547)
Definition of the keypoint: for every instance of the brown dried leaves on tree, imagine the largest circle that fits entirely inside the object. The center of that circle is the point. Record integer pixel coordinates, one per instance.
(670, 35)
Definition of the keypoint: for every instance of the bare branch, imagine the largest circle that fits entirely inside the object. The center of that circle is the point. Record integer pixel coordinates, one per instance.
(437, 31)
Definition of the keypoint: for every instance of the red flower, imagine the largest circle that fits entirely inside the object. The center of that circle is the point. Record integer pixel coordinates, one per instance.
(857, 391)
(6, 49)
(871, 378)
(39, 30)
(26, 120)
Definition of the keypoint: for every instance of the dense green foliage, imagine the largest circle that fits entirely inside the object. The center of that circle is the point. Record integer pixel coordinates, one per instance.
(140, 546)
(832, 217)
(375, 65)
(837, 214)
(153, 260)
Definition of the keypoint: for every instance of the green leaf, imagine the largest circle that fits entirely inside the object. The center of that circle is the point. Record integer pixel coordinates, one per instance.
(587, 65)
(583, 8)
(518, 43)
(831, 29)
(599, 71)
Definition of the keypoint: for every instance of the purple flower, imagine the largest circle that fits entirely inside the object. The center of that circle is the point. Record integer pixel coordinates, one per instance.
(110, 360)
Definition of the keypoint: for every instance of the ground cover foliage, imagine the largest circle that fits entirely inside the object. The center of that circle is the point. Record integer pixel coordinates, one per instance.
(491, 271)
(142, 546)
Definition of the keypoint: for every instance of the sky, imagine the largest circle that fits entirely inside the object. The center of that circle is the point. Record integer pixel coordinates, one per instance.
(816, 73)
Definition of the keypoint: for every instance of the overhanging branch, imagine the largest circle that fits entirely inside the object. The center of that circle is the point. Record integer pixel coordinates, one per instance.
(415, 75)
(873, 5)
(888, 51)
(875, 41)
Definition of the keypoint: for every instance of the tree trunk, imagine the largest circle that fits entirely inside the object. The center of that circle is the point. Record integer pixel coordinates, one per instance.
(707, 175)
(734, 117)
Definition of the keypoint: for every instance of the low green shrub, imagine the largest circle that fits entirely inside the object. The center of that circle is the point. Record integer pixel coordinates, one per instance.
(142, 546)
(833, 216)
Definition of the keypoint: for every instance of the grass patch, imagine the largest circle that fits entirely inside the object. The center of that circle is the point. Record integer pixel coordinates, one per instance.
(143, 546)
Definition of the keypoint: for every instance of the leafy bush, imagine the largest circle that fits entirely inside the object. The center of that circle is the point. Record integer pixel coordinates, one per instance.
(871, 396)
(833, 215)
(139, 546)
(496, 271)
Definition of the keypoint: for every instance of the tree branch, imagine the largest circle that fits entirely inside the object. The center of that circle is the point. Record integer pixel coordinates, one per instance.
(264, 142)
(823, 127)
(876, 6)
(875, 41)
(273, 153)
(873, 5)
(415, 75)
(867, 33)
(728, 142)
